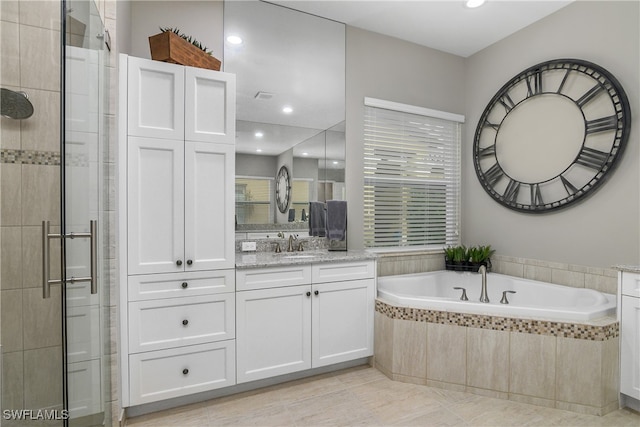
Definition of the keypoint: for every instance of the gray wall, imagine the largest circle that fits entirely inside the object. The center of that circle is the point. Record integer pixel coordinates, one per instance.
(603, 229)
(387, 68)
(253, 165)
(202, 20)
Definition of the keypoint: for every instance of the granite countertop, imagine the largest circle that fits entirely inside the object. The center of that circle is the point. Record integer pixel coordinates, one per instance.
(272, 259)
(628, 268)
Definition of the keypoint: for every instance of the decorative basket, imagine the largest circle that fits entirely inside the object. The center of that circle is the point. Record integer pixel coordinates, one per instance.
(170, 47)
(466, 266)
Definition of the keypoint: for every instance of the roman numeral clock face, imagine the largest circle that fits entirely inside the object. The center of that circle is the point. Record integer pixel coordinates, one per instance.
(551, 135)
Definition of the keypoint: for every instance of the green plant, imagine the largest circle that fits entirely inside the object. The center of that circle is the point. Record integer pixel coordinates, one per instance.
(449, 252)
(479, 254)
(190, 39)
(456, 253)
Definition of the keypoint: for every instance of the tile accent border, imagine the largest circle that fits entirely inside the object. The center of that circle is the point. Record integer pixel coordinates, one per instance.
(30, 157)
(497, 323)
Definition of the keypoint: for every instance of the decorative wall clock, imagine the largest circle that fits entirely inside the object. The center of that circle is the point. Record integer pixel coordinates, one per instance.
(283, 189)
(551, 135)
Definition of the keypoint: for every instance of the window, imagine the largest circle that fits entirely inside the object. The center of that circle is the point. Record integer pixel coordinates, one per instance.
(411, 176)
(254, 201)
(300, 196)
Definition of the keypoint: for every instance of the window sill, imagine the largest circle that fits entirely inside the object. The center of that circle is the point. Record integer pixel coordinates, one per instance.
(396, 252)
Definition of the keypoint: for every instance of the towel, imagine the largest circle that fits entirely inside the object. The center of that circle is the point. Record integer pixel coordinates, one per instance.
(336, 219)
(317, 219)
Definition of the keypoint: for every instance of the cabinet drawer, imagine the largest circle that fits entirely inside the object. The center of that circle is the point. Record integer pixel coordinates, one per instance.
(631, 284)
(156, 286)
(165, 374)
(155, 325)
(341, 271)
(273, 277)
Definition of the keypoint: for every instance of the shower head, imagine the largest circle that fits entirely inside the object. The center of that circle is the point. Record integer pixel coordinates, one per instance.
(15, 105)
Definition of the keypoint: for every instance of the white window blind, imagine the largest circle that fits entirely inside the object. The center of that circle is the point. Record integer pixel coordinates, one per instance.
(411, 176)
(254, 200)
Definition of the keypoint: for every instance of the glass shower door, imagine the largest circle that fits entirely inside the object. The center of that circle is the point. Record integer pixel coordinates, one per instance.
(84, 212)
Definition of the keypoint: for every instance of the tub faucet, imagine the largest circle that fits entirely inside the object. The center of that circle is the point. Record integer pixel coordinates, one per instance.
(483, 294)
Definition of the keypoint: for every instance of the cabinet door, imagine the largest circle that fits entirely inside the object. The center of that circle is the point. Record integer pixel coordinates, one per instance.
(155, 99)
(630, 347)
(342, 325)
(209, 206)
(155, 203)
(210, 106)
(273, 332)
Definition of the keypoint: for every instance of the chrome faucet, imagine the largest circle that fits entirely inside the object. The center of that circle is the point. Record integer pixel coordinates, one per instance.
(291, 239)
(483, 294)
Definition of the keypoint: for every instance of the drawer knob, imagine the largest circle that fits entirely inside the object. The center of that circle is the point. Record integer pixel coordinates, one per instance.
(189, 262)
(308, 294)
(185, 322)
(185, 285)
(179, 262)
(316, 292)
(185, 371)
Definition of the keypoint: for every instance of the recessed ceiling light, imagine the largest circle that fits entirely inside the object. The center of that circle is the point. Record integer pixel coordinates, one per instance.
(259, 134)
(305, 154)
(335, 163)
(258, 150)
(234, 39)
(471, 4)
(287, 110)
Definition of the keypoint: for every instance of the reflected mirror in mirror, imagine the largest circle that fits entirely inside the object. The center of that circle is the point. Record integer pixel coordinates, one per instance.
(286, 59)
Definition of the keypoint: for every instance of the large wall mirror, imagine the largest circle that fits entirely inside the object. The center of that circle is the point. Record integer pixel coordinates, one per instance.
(286, 59)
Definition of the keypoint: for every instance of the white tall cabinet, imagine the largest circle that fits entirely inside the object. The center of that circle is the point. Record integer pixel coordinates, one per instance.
(629, 317)
(176, 228)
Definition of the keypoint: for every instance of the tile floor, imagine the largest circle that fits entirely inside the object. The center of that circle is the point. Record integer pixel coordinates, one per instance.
(363, 396)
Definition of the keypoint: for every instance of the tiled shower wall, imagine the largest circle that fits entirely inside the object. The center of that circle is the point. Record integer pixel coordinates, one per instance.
(30, 192)
(578, 276)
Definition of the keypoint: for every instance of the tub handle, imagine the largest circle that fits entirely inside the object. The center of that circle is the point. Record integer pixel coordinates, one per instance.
(504, 299)
(463, 297)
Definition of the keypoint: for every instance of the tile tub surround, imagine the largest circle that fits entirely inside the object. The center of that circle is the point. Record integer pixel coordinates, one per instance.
(577, 276)
(551, 364)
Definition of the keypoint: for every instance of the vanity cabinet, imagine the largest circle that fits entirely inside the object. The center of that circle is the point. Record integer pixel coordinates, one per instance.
(177, 196)
(629, 316)
(305, 316)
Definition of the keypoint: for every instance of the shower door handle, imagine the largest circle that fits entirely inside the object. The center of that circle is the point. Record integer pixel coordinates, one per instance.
(92, 235)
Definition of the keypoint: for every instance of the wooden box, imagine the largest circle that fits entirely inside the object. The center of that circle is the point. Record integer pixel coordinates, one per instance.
(170, 47)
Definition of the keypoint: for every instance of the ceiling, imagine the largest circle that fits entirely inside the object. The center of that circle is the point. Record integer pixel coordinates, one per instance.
(306, 71)
(445, 25)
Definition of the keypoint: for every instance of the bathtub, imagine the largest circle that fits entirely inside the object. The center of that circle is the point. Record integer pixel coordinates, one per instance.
(533, 299)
